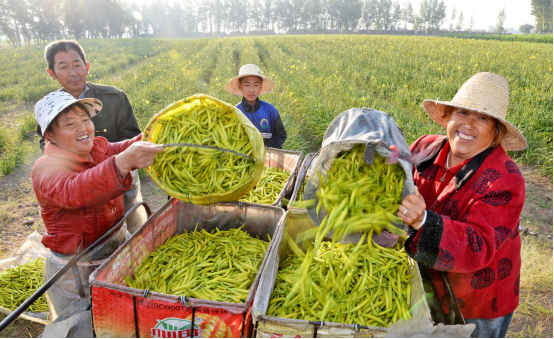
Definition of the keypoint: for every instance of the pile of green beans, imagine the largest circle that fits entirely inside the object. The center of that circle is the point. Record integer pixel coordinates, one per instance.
(362, 283)
(200, 171)
(359, 197)
(218, 266)
(17, 284)
(269, 187)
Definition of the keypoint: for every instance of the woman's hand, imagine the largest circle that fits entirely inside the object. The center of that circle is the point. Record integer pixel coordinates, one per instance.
(141, 154)
(412, 209)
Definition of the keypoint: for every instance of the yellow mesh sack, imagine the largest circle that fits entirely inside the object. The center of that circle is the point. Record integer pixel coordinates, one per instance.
(198, 175)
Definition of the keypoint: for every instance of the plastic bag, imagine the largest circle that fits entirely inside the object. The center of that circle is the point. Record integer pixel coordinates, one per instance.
(377, 131)
(185, 106)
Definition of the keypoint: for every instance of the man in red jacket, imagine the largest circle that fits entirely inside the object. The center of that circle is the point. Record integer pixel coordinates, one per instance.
(465, 212)
(79, 182)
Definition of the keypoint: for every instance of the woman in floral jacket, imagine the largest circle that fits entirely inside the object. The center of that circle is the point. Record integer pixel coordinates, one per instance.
(468, 200)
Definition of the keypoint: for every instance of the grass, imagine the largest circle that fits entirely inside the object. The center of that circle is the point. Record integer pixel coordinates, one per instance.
(536, 38)
(16, 144)
(533, 317)
(21, 329)
(317, 78)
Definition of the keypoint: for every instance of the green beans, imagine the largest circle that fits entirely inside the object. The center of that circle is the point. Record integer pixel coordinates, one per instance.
(218, 266)
(368, 196)
(362, 283)
(194, 171)
(17, 284)
(269, 187)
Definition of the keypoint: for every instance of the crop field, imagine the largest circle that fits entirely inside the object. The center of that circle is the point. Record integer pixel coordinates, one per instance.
(317, 77)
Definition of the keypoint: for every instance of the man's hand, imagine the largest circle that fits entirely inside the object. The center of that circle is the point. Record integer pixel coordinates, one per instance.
(141, 154)
(412, 209)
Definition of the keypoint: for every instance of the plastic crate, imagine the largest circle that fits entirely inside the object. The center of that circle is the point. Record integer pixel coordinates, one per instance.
(122, 311)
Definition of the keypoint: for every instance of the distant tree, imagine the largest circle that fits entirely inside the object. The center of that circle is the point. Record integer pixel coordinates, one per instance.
(9, 27)
(73, 18)
(395, 16)
(315, 11)
(46, 23)
(418, 22)
(542, 10)
(117, 18)
(369, 16)
(501, 21)
(452, 18)
(282, 11)
(134, 21)
(526, 29)
(176, 17)
(346, 13)
(298, 16)
(460, 23)
(432, 13)
(471, 23)
(407, 14)
(268, 17)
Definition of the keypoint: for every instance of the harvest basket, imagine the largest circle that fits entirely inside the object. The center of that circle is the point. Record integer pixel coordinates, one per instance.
(121, 311)
(285, 160)
(296, 221)
(304, 171)
(185, 109)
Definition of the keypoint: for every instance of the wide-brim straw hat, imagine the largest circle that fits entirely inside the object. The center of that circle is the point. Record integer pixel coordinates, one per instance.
(247, 70)
(485, 93)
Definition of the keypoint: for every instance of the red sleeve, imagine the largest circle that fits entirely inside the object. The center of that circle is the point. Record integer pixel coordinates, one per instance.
(415, 144)
(118, 147)
(59, 187)
(471, 243)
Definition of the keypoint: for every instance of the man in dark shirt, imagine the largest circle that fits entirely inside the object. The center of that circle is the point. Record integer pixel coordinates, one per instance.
(116, 122)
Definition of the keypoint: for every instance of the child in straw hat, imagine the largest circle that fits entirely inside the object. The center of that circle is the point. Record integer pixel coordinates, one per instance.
(466, 207)
(250, 84)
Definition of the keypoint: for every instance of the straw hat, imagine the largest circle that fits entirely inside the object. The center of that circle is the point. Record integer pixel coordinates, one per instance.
(485, 93)
(247, 70)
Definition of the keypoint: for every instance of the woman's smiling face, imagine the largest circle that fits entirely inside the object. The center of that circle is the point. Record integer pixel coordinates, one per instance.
(74, 132)
(469, 133)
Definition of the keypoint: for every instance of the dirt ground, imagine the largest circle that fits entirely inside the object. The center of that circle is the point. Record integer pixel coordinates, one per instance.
(20, 215)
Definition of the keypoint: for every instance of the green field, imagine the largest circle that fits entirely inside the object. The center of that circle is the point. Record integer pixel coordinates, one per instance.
(317, 78)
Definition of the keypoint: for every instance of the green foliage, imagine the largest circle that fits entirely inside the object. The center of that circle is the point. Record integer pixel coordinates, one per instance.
(539, 38)
(317, 78)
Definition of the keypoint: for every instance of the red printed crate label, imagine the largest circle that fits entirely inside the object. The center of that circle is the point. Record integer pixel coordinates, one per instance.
(113, 313)
(160, 319)
(218, 323)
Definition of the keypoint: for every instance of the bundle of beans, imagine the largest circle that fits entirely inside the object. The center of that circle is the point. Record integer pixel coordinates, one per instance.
(201, 171)
(269, 187)
(218, 266)
(362, 283)
(17, 284)
(359, 197)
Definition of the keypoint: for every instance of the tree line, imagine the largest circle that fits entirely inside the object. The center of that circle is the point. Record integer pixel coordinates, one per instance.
(27, 21)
